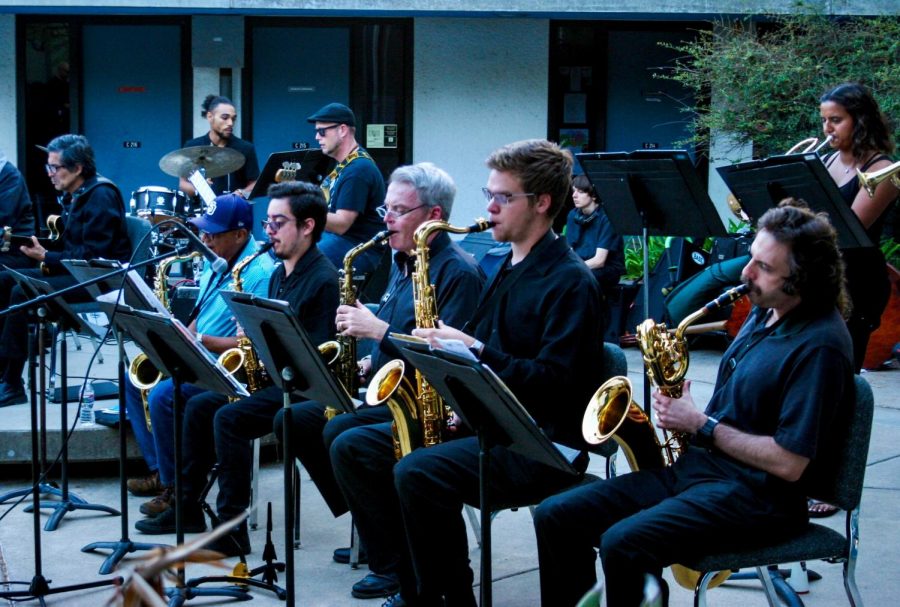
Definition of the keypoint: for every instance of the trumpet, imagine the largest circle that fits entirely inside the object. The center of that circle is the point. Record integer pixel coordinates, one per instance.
(871, 179)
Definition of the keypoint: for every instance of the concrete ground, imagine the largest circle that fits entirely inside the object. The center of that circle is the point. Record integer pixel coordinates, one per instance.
(319, 581)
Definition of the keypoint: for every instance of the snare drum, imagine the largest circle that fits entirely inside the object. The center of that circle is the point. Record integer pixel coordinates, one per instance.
(157, 204)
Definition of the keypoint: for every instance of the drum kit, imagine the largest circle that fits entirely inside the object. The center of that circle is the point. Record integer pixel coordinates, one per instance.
(157, 203)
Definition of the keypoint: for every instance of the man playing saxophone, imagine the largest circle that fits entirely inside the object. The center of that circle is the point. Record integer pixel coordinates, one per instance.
(742, 479)
(219, 431)
(538, 326)
(416, 194)
(225, 229)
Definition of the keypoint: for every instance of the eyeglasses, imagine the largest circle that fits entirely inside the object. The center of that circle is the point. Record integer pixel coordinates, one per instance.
(320, 131)
(503, 198)
(273, 225)
(53, 168)
(384, 212)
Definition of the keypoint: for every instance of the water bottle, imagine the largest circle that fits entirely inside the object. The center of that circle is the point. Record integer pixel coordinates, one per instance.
(87, 405)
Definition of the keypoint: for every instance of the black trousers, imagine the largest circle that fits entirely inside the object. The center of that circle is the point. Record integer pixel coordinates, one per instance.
(648, 520)
(218, 431)
(417, 530)
(14, 327)
(311, 439)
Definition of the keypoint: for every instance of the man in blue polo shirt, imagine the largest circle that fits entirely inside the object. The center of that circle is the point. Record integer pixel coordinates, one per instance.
(225, 229)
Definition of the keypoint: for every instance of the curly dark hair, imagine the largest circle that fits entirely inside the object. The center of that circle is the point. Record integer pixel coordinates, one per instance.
(542, 166)
(871, 128)
(212, 102)
(816, 265)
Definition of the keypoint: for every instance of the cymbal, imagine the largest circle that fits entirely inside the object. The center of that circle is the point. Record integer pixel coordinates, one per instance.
(215, 160)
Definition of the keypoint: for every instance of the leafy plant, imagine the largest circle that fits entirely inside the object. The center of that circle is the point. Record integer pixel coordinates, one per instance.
(763, 77)
(891, 250)
(634, 254)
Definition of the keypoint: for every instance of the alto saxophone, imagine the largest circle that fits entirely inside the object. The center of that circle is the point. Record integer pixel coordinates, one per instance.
(242, 360)
(420, 414)
(340, 353)
(143, 373)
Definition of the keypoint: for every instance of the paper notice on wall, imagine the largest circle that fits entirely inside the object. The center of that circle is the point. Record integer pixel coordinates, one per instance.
(381, 136)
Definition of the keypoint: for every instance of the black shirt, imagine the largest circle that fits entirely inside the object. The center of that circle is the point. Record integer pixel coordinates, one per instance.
(15, 204)
(458, 281)
(236, 179)
(94, 219)
(312, 292)
(542, 330)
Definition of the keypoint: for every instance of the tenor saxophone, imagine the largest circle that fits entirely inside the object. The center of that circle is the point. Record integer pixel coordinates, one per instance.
(242, 361)
(420, 414)
(340, 353)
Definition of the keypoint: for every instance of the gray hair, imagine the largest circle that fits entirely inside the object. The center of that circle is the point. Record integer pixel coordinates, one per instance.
(434, 187)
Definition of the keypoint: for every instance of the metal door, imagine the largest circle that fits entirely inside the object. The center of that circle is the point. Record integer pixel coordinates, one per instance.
(132, 100)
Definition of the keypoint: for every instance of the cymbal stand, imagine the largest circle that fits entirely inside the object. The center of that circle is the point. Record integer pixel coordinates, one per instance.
(39, 587)
(68, 502)
(124, 545)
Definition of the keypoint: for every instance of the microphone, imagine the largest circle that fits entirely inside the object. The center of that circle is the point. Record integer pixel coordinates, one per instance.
(219, 265)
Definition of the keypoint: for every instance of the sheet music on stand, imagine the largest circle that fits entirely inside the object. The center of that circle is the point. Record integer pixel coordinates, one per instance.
(287, 344)
(760, 185)
(480, 398)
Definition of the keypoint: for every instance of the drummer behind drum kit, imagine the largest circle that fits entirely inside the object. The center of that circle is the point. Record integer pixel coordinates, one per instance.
(157, 204)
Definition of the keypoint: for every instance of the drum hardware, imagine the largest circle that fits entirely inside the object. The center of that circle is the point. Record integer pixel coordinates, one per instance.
(214, 161)
(157, 204)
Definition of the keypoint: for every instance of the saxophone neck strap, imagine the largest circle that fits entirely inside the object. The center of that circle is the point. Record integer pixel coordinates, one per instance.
(328, 183)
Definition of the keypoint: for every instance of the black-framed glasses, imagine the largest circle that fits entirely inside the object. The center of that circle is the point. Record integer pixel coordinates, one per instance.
(503, 198)
(273, 225)
(384, 212)
(53, 168)
(321, 130)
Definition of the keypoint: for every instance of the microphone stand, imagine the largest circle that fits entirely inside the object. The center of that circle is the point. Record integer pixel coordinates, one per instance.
(39, 587)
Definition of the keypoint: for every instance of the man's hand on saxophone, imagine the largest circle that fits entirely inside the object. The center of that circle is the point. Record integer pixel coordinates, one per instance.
(678, 414)
(443, 332)
(360, 322)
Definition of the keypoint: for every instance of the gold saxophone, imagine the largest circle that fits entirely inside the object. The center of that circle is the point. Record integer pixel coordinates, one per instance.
(242, 361)
(611, 412)
(143, 374)
(340, 353)
(420, 415)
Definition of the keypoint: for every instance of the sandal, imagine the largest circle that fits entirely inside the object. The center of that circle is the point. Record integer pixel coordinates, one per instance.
(819, 509)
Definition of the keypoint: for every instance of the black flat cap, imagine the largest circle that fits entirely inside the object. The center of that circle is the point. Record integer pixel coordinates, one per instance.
(334, 112)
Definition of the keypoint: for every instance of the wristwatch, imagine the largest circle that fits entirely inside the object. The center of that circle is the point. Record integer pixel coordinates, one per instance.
(476, 348)
(704, 436)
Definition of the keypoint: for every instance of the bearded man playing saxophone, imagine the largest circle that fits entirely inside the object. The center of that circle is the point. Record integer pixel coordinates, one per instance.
(741, 480)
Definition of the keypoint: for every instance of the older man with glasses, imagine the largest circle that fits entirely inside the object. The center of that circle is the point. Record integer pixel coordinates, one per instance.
(94, 215)
(353, 189)
(416, 194)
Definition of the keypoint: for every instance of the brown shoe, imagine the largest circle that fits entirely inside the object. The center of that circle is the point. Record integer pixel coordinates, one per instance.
(160, 503)
(148, 486)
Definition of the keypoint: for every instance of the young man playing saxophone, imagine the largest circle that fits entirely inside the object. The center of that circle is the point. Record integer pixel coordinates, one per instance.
(741, 481)
(219, 431)
(538, 327)
(416, 194)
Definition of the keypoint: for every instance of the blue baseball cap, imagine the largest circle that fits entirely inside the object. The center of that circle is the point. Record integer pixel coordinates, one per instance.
(227, 212)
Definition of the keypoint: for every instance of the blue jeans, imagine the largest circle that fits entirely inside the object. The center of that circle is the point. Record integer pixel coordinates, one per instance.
(134, 407)
(162, 416)
(335, 246)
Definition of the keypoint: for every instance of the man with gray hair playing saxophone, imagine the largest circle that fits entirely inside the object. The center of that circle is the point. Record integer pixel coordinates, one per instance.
(416, 194)
(741, 480)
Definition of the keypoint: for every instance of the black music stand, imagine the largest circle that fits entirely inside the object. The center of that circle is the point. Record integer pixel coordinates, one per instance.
(485, 404)
(136, 296)
(307, 165)
(297, 368)
(58, 312)
(173, 349)
(654, 192)
(760, 185)
(39, 586)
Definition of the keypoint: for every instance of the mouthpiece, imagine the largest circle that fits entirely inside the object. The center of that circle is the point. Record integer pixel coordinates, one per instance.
(265, 247)
(727, 297)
